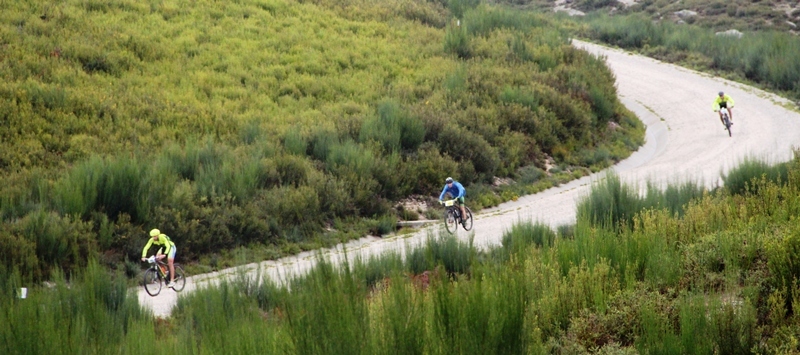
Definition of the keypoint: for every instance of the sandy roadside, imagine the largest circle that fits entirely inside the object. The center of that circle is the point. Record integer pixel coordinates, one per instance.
(685, 141)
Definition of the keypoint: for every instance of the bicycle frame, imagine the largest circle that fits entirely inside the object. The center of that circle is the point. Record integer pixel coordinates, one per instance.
(452, 209)
(726, 119)
(158, 273)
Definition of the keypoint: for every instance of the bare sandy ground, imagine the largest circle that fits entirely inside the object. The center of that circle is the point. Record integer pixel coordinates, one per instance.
(685, 142)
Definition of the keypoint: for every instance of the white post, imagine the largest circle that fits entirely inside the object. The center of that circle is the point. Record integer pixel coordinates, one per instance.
(23, 293)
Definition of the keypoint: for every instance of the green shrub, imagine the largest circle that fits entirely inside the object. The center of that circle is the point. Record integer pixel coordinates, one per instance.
(384, 225)
(634, 31)
(393, 128)
(454, 255)
(350, 156)
(656, 334)
(782, 259)
(322, 142)
(464, 145)
(20, 254)
(113, 186)
(514, 151)
(530, 174)
(332, 306)
(456, 41)
(429, 169)
(291, 170)
(392, 174)
(522, 235)
(93, 313)
(745, 175)
(612, 203)
(456, 88)
(733, 327)
(519, 96)
(432, 15)
(225, 319)
(294, 142)
(459, 7)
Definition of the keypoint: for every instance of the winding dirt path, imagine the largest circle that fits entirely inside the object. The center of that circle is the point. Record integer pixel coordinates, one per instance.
(685, 141)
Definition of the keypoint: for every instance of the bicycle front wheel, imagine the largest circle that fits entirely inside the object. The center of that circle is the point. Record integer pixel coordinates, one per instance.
(727, 120)
(180, 279)
(152, 283)
(450, 221)
(467, 219)
(728, 126)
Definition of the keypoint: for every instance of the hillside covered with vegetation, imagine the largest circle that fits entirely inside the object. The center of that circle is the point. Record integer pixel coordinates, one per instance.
(277, 125)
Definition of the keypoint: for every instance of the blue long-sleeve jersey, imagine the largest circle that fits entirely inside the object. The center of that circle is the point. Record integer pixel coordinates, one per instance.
(457, 190)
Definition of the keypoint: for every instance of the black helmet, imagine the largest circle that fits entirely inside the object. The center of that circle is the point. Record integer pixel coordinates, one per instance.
(721, 93)
(448, 180)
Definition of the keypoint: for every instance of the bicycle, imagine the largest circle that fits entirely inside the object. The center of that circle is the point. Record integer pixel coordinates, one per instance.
(726, 120)
(452, 215)
(158, 274)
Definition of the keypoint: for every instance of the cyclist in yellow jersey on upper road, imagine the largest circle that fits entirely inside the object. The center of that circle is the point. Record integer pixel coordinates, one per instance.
(723, 101)
(164, 242)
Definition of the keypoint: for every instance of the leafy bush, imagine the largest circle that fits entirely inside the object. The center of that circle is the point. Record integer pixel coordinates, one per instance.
(530, 174)
(524, 234)
(782, 259)
(456, 41)
(611, 203)
(294, 142)
(393, 128)
(430, 168)
(459, 7)
(464, 145)
(746, 174)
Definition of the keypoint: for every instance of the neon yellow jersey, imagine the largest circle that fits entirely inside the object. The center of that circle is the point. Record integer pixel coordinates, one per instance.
(162, 240)
(719, 100)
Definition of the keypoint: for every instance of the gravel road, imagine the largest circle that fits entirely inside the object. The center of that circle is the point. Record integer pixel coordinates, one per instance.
(685, 142)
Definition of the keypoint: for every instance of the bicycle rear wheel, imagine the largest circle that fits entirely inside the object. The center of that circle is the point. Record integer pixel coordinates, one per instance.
(467, 219)
(180, 279)
(152, 283)
(450, 221)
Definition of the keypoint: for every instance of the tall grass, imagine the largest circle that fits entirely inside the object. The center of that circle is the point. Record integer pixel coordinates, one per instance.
(93, 314)
(611, 203)
(522, 235)
(746, 175)
(393, 128)
(765, 57)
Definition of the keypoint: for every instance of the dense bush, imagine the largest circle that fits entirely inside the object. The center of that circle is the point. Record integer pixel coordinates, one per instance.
(746, 175)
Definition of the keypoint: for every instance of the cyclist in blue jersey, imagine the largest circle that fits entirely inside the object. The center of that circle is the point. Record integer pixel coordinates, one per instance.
(164, 242)
(456, 190)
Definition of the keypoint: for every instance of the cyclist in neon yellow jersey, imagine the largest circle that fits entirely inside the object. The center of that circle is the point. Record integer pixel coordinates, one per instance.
(164, 242)
(723, 101)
